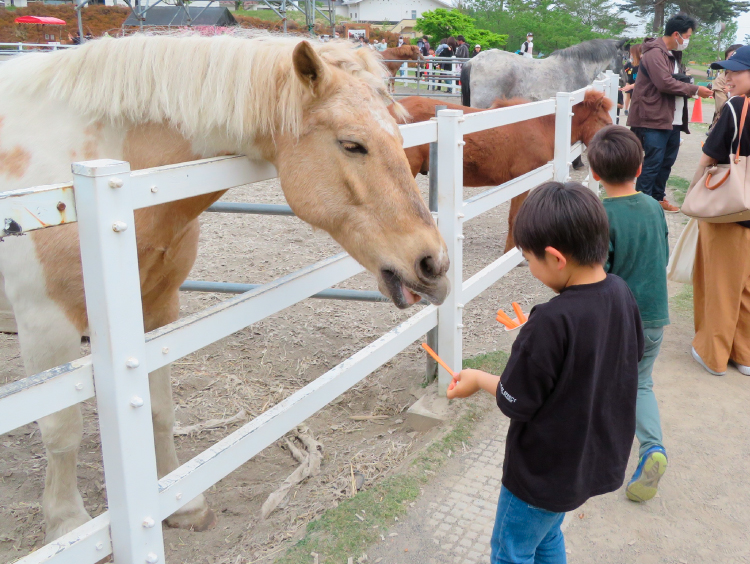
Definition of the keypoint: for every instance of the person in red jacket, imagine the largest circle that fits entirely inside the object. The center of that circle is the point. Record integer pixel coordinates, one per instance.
(658, 111)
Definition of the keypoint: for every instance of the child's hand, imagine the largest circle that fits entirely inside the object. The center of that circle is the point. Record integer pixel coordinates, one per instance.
(465, 384)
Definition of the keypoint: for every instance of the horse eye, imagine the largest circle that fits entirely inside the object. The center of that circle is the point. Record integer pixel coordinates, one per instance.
(352, 147)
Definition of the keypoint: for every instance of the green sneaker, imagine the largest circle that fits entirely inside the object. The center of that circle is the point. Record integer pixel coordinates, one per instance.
(645, 481)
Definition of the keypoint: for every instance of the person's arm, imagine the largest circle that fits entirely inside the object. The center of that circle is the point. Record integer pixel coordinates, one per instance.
(661, 76)
(470, 381)
(703, 162)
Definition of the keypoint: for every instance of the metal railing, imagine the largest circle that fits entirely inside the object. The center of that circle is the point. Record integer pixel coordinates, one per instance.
(106, 195)
(24, 47)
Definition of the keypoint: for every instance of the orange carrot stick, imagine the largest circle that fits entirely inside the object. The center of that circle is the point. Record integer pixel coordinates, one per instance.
(439, 360)
(502, 315)
(508, 324)
(519, 313)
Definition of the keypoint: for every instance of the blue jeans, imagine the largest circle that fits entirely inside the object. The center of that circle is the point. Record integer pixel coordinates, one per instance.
(525, 534)
(660, 147)
(647, 422)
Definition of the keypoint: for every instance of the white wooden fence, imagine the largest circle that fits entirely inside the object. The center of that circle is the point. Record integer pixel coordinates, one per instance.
(106, 195)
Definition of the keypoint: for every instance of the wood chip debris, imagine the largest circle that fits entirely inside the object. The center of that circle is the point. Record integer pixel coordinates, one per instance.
(309, 466)
(210, 424)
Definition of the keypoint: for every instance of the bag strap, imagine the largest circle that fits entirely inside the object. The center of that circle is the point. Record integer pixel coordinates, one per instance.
(742, 127)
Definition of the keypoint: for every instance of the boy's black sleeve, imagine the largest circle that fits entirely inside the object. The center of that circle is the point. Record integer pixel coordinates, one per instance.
(533, 368)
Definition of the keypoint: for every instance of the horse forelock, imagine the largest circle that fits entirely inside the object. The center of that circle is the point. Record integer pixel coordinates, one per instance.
(595, 99)
(243, 88)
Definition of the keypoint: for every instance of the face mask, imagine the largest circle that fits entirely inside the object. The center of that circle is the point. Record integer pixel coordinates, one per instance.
(685, 43)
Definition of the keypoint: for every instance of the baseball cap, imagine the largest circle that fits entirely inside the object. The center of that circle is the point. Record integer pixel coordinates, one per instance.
(739, 61)
(477, 45)
(529, 34)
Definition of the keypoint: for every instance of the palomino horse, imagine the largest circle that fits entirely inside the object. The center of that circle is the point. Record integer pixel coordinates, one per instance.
(403, 53)
(499, 74)
(495, 156)
(319, 113)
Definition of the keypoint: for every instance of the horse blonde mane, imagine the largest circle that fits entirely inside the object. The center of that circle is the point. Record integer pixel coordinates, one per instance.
(245, 87)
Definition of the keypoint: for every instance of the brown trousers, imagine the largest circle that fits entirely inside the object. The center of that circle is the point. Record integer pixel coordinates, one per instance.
(721, 286)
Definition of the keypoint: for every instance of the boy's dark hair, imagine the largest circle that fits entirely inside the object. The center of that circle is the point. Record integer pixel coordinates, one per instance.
(615, 153)
(460, 38)
(568, 217)
(680, 23)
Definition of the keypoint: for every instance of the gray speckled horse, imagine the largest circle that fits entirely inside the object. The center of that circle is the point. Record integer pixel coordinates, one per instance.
(499, 74)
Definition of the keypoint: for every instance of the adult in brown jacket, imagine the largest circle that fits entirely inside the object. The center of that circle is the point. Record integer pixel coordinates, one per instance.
(658, 111)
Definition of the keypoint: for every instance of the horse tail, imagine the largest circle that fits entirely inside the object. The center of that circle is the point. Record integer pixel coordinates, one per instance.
(465, 90)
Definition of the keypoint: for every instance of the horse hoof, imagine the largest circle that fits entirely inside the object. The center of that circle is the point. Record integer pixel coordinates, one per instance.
(198, 520)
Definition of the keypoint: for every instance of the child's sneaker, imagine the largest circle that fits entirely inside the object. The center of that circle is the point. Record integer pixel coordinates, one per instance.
(645, 482)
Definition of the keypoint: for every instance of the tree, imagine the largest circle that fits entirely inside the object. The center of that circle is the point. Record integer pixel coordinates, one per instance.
(441, 23)
(555, 24)
(708, 11)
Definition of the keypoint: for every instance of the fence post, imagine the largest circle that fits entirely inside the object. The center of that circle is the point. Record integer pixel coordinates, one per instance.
(611, 90)
(563, 129)
(113, 300)
(432, 334)
(450, 203)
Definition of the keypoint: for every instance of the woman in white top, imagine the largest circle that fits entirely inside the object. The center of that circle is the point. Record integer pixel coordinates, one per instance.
(527, 49)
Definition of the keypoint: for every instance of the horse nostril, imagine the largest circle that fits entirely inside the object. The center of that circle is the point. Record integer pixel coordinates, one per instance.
(428, 268)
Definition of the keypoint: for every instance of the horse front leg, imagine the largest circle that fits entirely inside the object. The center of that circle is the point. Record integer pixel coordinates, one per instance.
(515, 205)
(196, 514)
(49, 339)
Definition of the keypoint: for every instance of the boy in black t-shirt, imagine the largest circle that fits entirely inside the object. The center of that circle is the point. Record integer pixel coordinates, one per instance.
(570, 384)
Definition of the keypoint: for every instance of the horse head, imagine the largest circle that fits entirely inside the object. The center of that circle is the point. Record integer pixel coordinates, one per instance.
(345, 171)
(590, 115)
(414, 53)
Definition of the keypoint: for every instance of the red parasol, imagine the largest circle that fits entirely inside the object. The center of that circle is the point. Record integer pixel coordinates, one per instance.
(44, 20)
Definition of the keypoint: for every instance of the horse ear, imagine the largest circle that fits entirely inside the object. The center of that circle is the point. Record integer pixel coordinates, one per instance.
(308, 66)
(622, 43)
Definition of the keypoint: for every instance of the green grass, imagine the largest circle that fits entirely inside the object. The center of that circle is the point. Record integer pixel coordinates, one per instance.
(680, 187)
(493, 362)
(682, 303)
(339, 534)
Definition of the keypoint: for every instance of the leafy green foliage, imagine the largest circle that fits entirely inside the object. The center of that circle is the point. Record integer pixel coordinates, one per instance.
(441, 23)
(707, 44)
(708, 11)
(555, 25)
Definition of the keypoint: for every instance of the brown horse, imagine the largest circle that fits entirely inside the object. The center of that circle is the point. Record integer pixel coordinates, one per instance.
(403, 53)
(495, 156)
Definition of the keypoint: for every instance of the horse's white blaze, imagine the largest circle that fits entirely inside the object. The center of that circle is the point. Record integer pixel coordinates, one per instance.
(384, 120)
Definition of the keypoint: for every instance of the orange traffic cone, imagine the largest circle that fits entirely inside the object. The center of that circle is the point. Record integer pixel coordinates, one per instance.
(697, 116)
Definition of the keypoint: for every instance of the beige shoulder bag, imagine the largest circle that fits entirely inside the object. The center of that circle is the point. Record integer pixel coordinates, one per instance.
(722, 193)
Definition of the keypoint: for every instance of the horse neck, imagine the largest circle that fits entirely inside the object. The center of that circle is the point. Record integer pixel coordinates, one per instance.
(161, 223)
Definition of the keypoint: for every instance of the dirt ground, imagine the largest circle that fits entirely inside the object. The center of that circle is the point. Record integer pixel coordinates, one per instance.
(255, 369)
(701, 514)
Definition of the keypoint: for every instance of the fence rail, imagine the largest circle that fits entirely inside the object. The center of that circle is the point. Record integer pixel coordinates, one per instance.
(110, 267)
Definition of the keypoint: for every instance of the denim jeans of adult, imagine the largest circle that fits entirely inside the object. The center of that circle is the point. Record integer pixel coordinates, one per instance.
(660, 148)
(647, 421)
(525, 534)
